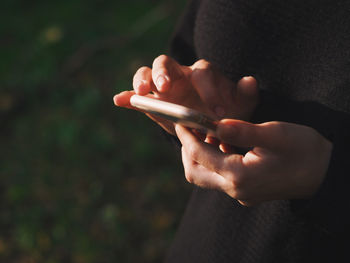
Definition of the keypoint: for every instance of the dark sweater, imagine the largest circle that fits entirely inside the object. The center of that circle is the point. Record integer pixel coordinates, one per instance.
(300, 53)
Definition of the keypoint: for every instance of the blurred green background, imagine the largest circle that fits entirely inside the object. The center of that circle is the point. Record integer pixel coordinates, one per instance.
(81, 180)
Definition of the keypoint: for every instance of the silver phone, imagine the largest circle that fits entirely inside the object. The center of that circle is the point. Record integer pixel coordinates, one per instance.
(176, 113)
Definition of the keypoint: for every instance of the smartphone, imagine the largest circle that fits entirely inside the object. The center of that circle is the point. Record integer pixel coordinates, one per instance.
(176, 113)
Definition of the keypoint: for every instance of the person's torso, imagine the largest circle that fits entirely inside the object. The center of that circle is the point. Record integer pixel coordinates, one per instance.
(297, 49)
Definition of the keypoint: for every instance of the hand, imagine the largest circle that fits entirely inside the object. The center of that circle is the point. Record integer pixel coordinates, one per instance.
(285, 161)
(199, 86)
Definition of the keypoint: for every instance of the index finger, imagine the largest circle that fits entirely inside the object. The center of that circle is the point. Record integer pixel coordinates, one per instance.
(165, 71)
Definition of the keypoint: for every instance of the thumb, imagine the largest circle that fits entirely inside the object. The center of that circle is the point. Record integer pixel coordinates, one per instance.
(245, 134)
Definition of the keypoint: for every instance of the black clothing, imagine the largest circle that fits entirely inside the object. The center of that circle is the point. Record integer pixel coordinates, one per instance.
(299, 51)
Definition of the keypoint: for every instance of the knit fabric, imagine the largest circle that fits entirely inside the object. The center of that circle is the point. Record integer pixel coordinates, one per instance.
(299, 52)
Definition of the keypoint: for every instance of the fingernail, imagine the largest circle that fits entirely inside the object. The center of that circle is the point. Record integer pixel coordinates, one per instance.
(161, 81)
(220, 111)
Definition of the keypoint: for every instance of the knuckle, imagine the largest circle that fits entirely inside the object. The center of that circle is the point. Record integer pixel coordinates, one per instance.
(199, 75)
(188, 169)
(238, 182)
(283, 135)
(274, 132)
(203, 72)
(238, 187)
(280, 128)
(192, 152)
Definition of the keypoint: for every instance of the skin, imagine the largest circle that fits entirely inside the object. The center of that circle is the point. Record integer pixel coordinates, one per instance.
(284, 161)
(199, 86)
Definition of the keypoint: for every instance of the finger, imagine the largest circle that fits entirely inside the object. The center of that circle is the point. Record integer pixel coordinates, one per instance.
(245, 134)
(202, 153)
(227, 148)
(142, 81)
(165, 71)
(247, 88)
(203, 80)
(212, 140)
(199, 175)
(123, 99)
(200, 135)
(246, 95)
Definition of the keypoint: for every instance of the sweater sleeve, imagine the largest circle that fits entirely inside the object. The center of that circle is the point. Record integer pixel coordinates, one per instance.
(328, 209)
